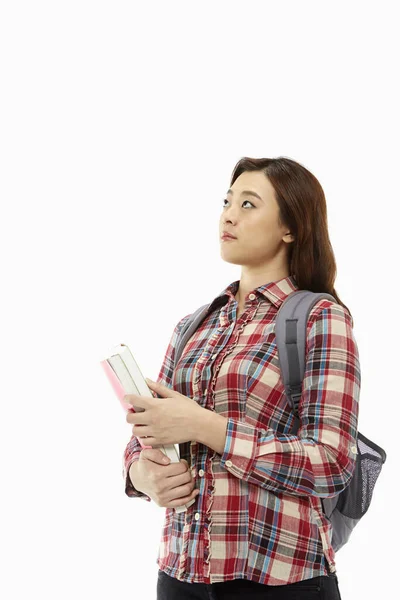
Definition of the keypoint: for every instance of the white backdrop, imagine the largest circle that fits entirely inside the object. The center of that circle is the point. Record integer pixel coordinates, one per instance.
(121, 123)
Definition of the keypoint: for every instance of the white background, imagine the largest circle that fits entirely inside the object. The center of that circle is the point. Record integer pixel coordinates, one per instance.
(121, 123)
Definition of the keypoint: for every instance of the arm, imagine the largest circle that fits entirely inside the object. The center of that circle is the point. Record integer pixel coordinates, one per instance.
(320, 459)
(133, 448)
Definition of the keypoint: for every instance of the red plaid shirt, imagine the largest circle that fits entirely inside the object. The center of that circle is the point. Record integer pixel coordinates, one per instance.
(259, 515)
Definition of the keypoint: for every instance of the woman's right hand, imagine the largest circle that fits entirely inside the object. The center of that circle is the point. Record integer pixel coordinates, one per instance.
(168, 485)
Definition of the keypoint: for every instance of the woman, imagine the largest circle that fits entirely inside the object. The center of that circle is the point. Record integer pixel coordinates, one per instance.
(256, 528)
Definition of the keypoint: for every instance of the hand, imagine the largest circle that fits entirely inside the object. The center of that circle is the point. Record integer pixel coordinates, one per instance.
(171, 419)
(167, 485)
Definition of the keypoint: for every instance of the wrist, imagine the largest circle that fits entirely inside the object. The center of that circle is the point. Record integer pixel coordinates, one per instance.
(201, 420)
(211, 430)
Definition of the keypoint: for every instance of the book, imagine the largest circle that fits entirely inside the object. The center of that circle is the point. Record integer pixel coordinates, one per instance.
(125, 377)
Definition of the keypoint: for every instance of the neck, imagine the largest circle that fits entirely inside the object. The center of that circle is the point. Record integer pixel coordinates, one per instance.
(248, 283)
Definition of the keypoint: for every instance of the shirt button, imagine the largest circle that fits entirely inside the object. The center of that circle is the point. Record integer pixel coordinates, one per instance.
(252, 296)
(228, 463)
(201, 472)
(197, 516)
(354, 449)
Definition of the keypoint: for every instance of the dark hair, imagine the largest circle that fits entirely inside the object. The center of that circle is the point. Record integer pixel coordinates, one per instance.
(302, 208)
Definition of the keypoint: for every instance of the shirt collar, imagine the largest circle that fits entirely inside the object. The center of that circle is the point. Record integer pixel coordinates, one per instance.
(274, 291)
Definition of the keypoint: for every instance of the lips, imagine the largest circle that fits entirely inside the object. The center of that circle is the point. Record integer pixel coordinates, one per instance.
(227, 236)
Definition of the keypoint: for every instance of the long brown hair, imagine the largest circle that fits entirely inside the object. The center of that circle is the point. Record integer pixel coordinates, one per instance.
(302, 208)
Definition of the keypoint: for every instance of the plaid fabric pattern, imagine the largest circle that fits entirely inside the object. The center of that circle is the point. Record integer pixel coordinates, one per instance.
(259, 515)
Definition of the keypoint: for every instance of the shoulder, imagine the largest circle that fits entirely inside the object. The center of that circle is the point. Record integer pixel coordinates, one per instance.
(330, 336)
(326, 313)
(192, 315)
(182, 322)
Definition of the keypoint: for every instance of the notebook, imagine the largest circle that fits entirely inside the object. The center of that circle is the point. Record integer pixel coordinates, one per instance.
(125, 377)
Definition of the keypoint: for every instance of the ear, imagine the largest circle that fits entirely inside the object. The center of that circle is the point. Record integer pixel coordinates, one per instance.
(288, 237)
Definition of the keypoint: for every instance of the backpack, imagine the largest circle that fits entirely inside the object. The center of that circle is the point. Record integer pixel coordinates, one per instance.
(346, 508)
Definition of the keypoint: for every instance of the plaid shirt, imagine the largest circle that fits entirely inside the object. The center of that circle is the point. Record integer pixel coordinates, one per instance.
(259, 515)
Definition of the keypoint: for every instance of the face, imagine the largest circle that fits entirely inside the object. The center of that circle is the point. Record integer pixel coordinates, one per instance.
(254, 222)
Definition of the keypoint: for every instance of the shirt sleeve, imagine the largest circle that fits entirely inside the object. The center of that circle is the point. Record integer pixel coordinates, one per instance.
(133, 448)
(320, 459)
(131, 454)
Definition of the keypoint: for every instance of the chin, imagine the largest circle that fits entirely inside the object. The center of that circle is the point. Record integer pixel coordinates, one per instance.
(233, 260)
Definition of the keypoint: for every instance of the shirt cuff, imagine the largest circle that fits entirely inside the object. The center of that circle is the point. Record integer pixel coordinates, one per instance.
(240, 448)
(130, 490)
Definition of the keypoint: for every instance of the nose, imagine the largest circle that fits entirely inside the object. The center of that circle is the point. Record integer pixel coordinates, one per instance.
(229, 215)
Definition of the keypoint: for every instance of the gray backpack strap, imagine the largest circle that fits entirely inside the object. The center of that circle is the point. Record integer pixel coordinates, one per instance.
(193, 322)
(291, 332)
(188, 329)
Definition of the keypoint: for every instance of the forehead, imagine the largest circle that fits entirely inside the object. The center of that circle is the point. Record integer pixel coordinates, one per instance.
(256, 181)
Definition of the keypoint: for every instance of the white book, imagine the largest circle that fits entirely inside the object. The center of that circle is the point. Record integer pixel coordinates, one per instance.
(125, 377)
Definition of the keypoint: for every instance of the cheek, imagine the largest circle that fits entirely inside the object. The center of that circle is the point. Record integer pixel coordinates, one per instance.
(266, 233)
(261, 238)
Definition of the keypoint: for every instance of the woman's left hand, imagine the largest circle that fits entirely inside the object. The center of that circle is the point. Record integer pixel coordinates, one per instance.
(171, 419)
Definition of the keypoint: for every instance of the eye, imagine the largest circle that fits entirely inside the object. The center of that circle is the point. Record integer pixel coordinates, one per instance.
(226, 200)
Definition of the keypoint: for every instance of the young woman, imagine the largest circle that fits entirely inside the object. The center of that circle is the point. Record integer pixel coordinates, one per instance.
(256, 528)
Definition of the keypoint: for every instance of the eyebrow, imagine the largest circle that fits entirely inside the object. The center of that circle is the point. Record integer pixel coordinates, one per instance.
(247, 192)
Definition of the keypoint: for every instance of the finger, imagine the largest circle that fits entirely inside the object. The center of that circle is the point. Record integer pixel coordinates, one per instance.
(142, 431)
(135, 399)
(184, 500)
(149, 441)
(137, 418)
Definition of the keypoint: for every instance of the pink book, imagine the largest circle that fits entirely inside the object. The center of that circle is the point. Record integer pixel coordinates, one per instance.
(125, 377)
(120, 392)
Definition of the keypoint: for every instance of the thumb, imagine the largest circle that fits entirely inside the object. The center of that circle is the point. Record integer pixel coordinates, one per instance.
(155, 455)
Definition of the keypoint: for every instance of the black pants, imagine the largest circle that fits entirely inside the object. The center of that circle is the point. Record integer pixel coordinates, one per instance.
(318, 588)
